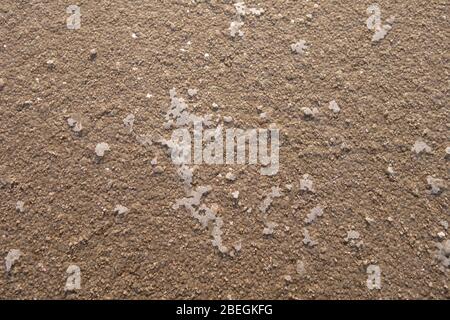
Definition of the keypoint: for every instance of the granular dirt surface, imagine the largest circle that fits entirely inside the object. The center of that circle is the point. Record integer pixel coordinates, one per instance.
(391, 93)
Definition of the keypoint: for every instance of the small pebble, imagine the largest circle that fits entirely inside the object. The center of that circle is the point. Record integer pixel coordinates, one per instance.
(390, 171)
(158, 170)
(309, 113)
(227, 119)
(120, 210)
(93, 54)
(50, 64)
(215, 106)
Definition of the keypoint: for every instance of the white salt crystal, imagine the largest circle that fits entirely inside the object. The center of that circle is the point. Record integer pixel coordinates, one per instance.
(230, 176)
(306, 184)
(11, 258)
(443, 253)
(299, 47)
(381, 32)
(307, 239)
(269, 228)
(75, 124)
(145, 140)
(288, 278)
(300, 267)
(420, 146)
(129, 121)
(235, 29)
(313, 214)
(255, 11)
(373, 277)
(333, 106)
(20, 206)
(352, 237)
(192, 92)
(203, 214)
(266, 203)
(101, 148)
(217, 235)
(242, 10)
(435, 184)
(73, 281)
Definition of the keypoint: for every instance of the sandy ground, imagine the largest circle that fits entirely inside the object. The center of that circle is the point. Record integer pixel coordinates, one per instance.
(391, 93)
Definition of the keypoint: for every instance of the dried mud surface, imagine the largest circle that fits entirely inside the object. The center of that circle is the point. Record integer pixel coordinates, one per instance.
(391, 93)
